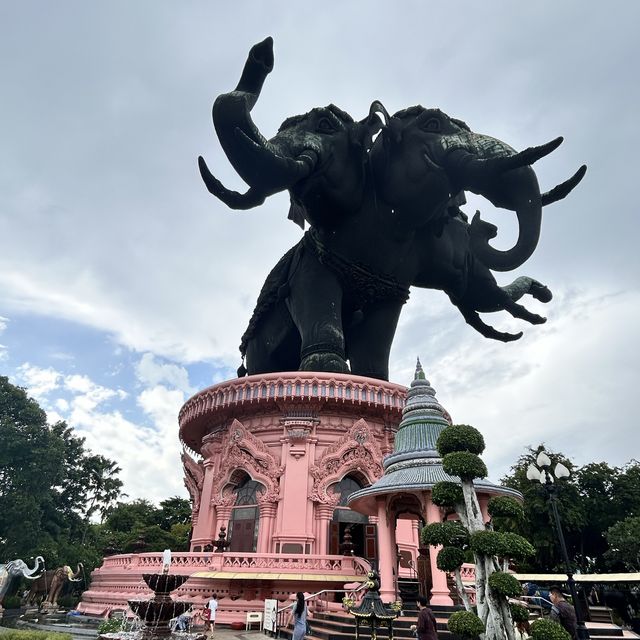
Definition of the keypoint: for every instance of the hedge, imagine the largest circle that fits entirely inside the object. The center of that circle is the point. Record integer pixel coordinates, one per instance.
(505, 507)
(504, 584)
(450, 534)
(465, 465)
(545, 629)
(446, 494)
(465, 624)
(449, 559)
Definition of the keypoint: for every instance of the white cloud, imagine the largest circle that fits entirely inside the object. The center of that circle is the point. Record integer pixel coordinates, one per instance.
(40, 381)
(3, 323)
(151, 372)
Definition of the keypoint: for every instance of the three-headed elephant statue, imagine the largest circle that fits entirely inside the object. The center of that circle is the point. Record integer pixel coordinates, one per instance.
(381, 221)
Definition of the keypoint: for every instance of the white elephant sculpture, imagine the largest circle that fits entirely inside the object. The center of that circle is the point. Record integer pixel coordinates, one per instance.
(16, 569)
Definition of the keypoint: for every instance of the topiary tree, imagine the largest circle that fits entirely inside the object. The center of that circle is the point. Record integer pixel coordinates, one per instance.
(545, 629)
(460, 446)
(465, 624)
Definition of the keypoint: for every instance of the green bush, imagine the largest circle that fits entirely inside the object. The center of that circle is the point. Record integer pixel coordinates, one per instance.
(504, 584)
(14, 634)
(111, 625)
(465, 465)
(446, 494)
(505, 507)
(450, 534)
(503, 545)
(11, 602)
(68, 602)
(460, 437)
(544, 629)
(516, 547)
(519, 613)
(487, 543)
(465, 624)
(450, 558)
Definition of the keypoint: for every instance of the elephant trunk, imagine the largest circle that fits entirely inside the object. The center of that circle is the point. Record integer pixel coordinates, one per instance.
(494, 170)
(259, 163)
(38, 568)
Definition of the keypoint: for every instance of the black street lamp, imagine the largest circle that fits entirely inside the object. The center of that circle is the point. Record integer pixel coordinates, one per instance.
(543, 474)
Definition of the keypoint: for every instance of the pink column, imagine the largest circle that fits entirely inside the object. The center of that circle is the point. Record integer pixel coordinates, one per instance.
(223, 513)
(439, 591)
(265, 528)
(324, 513)
(386, 553)
(205, 528)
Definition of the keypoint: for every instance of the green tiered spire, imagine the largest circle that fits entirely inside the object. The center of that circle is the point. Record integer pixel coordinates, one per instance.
(415, 463)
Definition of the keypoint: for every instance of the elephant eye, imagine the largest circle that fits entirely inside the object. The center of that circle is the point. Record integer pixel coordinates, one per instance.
(433, 124)
(325, 126)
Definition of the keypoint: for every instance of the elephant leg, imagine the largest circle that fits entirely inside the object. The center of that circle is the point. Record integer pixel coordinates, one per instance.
(518, 311)
(315, 304)
(473, 320)
(275, 345)
(523, 285)
(369, 341)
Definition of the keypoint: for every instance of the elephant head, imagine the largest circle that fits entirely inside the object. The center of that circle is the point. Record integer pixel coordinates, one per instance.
(319, 156)
(424, 158)
(19, 568)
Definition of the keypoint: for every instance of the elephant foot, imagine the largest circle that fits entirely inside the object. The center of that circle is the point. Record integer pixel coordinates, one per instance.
(324, 361)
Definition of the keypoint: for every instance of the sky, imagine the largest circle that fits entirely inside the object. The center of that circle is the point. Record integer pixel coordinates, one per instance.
(125, 286)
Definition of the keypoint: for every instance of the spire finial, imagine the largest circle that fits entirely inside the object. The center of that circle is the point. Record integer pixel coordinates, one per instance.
(419, 371)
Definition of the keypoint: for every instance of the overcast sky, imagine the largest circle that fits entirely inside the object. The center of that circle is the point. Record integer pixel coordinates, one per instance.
(125, 286)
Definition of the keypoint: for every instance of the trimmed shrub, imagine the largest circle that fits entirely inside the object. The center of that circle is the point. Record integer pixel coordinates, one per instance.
(519, 613)
(505, 507)
(516, 547)
(544, 629)
(503, 545)
(465, 465)
(446, 494)
(465, 624)
(449, 534)
(504, 584)
(460, 437)
(487, 543)
(30, 634)
(450, 558)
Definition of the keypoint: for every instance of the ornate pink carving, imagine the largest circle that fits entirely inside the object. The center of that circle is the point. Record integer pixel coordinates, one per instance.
(193, 479)
(357, 451)
(242, 450)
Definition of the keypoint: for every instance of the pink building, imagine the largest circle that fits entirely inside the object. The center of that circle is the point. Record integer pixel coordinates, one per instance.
(278, 460)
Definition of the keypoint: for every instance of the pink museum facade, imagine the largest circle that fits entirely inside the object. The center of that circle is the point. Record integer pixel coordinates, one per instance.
(276, 460)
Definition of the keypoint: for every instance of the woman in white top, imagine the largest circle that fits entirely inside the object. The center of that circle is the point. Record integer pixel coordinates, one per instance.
(213, 607)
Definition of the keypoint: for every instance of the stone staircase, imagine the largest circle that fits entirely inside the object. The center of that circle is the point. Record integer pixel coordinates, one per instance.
(338, 625)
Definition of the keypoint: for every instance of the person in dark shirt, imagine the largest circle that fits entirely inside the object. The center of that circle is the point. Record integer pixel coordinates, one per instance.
(426, 626)
(563, 612)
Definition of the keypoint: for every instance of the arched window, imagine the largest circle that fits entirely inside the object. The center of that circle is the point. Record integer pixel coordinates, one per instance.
(245, 515)
(344, 518)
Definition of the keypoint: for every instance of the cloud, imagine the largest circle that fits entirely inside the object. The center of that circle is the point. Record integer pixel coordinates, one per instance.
(40, 381)
(150, 371)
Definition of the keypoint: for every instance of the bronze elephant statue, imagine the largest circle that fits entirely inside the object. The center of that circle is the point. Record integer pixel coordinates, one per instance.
(382, 220)
(50, 586)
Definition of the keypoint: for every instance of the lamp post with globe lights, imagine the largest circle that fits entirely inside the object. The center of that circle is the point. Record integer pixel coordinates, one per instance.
(541, 472)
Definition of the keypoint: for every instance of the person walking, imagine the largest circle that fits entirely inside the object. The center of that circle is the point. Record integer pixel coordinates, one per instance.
(426, 627)
(298, 616)
(563, 612)
(213, 607)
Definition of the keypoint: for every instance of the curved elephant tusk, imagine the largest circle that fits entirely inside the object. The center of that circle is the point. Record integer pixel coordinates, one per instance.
(564, 189)
(377, 107)
(284, 172)
(518, 160)
(233, 199)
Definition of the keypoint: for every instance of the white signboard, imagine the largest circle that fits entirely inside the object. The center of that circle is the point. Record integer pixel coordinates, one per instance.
(270, 615)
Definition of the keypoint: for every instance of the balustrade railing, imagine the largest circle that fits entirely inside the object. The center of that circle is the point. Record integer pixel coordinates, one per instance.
(301, 385)
(239, 562)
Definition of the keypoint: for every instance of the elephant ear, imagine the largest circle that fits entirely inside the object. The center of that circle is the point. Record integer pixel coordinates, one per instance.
(297, 213)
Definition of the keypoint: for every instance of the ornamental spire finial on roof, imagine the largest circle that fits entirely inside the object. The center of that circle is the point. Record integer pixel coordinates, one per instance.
(419, 371)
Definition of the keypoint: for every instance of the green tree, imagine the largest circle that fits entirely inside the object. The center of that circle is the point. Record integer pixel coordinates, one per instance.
(50, 485)
(537, 524)
(624, 544)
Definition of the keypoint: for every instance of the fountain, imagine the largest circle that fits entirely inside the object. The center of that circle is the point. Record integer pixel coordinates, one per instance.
(159, 610)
